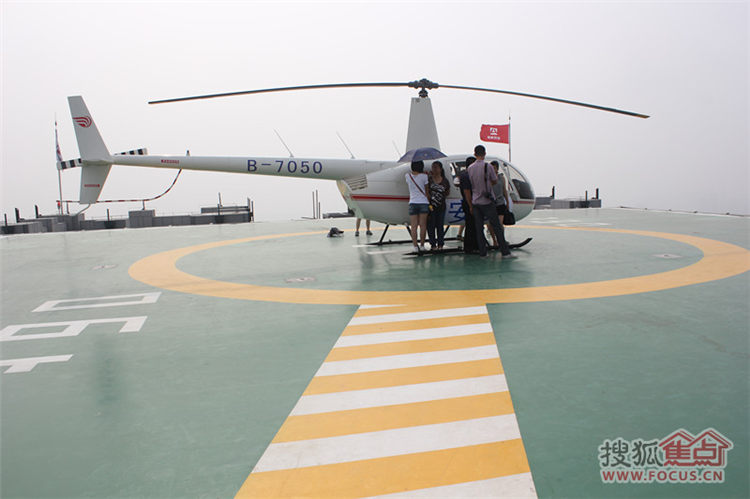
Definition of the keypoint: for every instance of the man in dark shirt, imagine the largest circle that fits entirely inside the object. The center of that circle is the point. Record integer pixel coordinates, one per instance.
(470, 238)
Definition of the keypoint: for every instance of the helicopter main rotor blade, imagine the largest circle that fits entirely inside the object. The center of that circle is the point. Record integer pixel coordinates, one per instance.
(423, 84)
(278, 89)
(553, 99)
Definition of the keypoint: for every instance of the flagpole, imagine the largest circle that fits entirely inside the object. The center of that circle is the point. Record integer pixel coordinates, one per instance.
(509, 158)
(59, 185)
(59, 177)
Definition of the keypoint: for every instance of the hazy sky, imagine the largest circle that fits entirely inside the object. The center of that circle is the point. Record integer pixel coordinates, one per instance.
(684, 63)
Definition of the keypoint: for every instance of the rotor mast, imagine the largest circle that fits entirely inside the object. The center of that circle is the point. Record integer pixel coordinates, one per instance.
(422, 128)
(424, 84)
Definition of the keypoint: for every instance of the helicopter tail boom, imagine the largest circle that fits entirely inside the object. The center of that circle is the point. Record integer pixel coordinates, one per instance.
(96, 160)
(314, 168)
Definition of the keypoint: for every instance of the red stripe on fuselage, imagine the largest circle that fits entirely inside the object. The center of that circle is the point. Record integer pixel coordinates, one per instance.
(374, 197)
(367, 197)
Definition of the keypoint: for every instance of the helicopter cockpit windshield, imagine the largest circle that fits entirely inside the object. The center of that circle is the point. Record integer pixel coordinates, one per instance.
(518, 183)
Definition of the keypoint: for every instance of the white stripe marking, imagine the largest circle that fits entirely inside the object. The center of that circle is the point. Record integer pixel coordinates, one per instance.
(520, 485)
(322, 451)
(54, 305)
(27, 364)
(414, 334)
(407, 360)
(364, 307)
(383, 252)
(394, 395)
(427, 314)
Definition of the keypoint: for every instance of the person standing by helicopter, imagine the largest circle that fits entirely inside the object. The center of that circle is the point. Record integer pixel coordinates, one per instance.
(367, 224)
(482, 205)
(439, 188)
(502, 201)
(419, 203)
(464, 183)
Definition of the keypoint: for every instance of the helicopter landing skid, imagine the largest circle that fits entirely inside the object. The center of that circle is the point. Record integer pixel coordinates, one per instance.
(404, 241)
(521, 244)
(444, 251)
(460, 250)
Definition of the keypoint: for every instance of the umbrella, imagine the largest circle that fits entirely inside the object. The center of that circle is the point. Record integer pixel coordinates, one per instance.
(421, 154)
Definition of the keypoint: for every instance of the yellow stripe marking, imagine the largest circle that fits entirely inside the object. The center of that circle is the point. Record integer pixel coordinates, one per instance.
(720, 260)
(405, 376)
(332, 424)
(391, 474)
(381, 417)
(392, 327)
(400, 309)
(407, 347)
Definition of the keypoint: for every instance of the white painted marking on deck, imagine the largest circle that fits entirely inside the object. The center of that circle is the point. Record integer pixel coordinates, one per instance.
(27, 364)
(566, 222)
(407, 437)
(409, 316)
(72, 328)
(413, 334)
(383, 252)
(321, 451)
(402, 394)
(407, 360)
(96, 302)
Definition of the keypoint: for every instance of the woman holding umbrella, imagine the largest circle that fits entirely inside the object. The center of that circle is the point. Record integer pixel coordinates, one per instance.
(419, 204)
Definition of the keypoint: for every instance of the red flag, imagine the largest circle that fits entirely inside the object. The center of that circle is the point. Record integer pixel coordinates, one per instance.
(495, 133)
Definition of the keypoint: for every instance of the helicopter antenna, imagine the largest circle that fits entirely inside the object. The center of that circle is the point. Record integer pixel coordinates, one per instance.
(347, 147)
(291, 154)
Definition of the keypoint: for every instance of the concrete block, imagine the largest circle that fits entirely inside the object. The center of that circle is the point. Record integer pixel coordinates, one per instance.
(558, 204)
(236, 218)
(201, 219)
(30, 228)
(171, 220)
(542, 201)
(141, 213)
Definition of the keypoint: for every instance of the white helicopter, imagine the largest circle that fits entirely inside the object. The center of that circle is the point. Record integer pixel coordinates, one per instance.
(374, 190)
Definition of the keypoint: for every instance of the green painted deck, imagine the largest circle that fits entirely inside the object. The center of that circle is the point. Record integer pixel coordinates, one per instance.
(186, 405)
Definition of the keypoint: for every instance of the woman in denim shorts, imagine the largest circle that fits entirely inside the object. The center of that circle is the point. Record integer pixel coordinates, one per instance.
(419, 204)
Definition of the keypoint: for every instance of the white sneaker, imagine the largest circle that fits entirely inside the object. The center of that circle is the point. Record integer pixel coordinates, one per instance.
(416, 249)
(422, 248)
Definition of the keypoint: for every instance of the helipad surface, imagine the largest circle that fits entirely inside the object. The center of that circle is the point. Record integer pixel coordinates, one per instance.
(173, 362)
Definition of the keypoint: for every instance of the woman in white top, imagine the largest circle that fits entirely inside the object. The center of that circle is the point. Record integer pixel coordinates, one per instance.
(419, 204)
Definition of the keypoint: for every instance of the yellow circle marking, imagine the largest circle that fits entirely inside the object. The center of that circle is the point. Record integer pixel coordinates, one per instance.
(720, 260)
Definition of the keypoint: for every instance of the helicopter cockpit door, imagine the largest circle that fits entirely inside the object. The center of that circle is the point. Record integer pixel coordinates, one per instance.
(512, 192)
